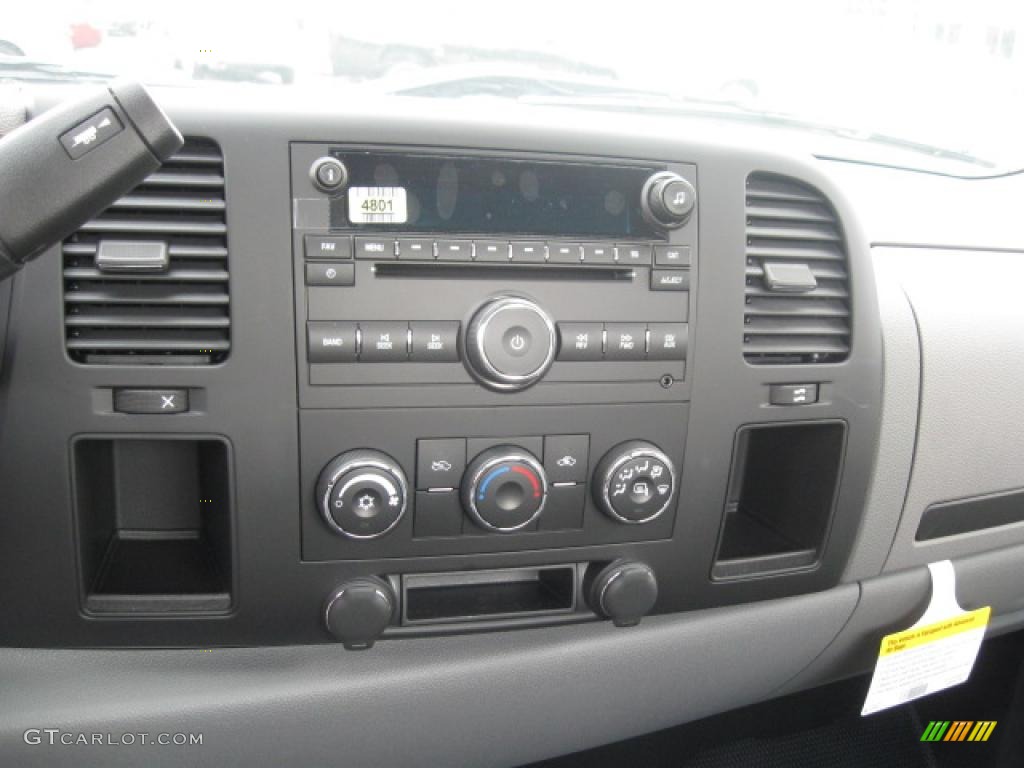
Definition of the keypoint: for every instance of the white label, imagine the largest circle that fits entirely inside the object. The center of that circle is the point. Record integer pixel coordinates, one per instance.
(936, 653)
(377, 205)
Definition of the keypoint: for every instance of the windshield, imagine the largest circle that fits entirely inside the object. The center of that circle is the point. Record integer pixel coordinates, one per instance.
(935, 78)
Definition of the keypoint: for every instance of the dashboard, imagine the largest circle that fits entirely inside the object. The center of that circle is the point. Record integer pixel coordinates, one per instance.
(424, 402)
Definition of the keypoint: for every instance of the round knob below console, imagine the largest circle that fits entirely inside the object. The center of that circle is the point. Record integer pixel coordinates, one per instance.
(359, 611)
(634, 482)
(624, 591)
(510, 343)
(504, 489)
(362, 494)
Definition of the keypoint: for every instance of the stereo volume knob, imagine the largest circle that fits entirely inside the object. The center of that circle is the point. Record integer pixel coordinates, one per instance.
(634, 482)
(668, 200)
(510, 343)
(504, 489)
(362, 494)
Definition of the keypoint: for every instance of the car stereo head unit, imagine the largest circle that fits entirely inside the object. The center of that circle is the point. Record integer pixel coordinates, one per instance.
(465, 275)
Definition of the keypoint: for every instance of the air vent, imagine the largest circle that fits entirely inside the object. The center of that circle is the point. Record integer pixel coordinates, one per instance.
(798, 287)
(146, 281)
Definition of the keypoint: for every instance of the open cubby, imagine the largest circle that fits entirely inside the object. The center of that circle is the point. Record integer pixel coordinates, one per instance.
(782, 491)
(154, 524)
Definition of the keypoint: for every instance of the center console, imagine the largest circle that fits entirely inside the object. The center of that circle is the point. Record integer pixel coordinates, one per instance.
(390, 386)
(495, 357)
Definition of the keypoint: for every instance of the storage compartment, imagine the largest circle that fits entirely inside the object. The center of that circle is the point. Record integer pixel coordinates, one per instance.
(782, 491)
(153, 524)
(509, 593)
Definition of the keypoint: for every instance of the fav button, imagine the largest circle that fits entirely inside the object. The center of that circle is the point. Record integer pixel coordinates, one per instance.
(328, 247)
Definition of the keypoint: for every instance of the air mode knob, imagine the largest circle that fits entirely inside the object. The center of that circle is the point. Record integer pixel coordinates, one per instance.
(634, 482)
(668, 200)
(362, 494)
(510, 343)
(504, 489)
(624, 591)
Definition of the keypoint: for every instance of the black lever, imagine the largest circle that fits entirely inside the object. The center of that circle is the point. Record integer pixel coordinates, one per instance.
(70, 163)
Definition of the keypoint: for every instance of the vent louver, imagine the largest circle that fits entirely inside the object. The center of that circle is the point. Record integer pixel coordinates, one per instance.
(797, 283)
(170, 305)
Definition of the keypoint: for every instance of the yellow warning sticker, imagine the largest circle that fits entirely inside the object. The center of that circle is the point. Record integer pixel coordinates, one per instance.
(911, 638)
(936, 653)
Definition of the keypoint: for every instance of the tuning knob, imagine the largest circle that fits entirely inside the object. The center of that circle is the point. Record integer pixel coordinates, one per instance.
(510, 343)
(668, 200)
(362, 494)
(359, 611)
(504, 489)
(634, 482)
(624, 591)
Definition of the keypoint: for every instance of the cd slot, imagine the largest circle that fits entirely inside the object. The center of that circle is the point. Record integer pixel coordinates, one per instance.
(476, 595)
(502, 272)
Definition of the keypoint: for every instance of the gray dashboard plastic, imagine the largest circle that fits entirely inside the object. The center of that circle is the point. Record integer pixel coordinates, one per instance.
(971, 415)
(504, 699)
(479, 700)
(900, 394)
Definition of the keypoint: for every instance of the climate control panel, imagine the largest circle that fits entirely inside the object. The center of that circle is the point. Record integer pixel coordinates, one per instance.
(522, 490)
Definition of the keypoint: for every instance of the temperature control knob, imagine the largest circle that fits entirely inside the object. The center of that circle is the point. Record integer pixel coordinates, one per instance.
(668, 200)
(504, 489)
(362, 494)
(634, 482)
(510, 343)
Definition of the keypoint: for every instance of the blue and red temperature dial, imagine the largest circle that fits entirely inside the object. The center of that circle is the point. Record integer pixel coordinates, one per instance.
(504, 489)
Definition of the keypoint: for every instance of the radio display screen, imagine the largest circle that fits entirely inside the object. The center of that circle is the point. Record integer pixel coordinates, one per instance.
(391, 191)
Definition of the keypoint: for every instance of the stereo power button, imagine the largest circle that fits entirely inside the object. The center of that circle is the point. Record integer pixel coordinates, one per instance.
(510, 343)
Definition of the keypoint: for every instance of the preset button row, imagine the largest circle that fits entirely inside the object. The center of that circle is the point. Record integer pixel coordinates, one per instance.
(510, 251)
